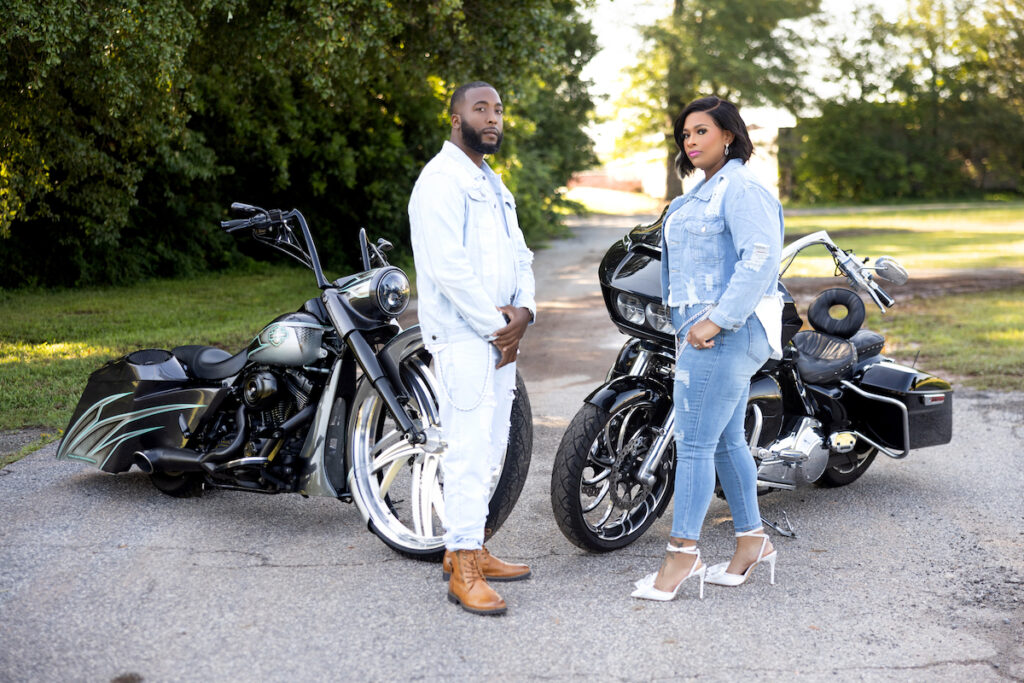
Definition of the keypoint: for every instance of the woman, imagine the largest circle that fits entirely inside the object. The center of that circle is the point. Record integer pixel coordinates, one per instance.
(721, 244)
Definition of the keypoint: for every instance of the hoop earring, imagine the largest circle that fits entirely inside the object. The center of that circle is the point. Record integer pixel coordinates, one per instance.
(727, 150)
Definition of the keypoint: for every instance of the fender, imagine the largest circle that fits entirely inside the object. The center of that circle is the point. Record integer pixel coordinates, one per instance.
(622, 390)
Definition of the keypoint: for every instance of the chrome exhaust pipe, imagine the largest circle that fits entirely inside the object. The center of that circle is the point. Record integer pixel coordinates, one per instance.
(168, 460)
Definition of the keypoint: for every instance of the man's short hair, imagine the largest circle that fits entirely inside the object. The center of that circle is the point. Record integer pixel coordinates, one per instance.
(460, 93)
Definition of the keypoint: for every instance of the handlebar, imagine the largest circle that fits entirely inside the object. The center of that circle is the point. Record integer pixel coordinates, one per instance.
(858, 276)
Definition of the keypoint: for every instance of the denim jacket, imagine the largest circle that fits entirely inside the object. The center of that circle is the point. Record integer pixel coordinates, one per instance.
(463, 250)
(721, 243)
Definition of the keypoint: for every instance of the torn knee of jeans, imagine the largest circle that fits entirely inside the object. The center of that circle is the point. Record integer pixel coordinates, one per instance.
(683, 375)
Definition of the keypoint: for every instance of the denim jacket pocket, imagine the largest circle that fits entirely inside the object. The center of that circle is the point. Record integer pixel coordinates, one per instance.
(704, 238)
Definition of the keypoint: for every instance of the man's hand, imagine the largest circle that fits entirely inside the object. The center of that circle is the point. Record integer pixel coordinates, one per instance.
(507, 338)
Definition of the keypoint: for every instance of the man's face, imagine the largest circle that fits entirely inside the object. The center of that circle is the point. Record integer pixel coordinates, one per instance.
(480, 120)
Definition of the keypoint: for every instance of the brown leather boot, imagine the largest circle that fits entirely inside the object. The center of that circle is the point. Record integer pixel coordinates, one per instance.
(491, 567)
(468, 588)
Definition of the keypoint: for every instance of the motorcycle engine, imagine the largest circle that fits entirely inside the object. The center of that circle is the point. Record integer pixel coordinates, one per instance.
(797, 458)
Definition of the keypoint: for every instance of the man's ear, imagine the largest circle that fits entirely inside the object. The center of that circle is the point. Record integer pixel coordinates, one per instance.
(456, 121)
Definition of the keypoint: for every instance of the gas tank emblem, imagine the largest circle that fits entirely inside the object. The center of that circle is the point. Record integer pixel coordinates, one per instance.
(276, 335)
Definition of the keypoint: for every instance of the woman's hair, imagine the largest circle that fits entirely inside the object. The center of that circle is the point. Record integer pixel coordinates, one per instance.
(727, 117)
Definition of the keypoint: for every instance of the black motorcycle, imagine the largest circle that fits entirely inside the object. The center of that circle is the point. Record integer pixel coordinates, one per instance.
(335, 399)
(819, 415)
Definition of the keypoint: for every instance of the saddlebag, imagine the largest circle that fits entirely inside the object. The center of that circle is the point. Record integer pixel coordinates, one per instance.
(928, 401)
(142, 400)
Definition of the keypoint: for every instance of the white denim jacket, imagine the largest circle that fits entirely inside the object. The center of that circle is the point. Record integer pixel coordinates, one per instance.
(461, 249)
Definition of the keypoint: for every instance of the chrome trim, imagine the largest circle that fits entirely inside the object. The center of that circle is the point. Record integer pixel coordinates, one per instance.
(906, 421)
(639, 367)
(645, 474)
(315, 482)
(241, 462)
(755, 433)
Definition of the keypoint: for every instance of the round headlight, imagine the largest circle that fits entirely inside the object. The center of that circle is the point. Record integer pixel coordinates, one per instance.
(658, 317)
(631, 308)
(392, 292)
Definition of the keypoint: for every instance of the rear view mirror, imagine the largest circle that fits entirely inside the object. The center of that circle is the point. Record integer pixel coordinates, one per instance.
(889, 269)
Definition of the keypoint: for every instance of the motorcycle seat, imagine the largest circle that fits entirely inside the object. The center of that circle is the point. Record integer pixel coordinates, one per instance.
(209, 362)
(824, 359)
(868, 343)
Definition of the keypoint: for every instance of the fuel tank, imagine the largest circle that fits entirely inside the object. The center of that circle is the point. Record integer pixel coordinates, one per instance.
(291, 340)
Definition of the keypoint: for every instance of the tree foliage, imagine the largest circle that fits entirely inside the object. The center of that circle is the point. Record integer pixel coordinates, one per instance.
(929, 105)
(745, 51)
(126, 127)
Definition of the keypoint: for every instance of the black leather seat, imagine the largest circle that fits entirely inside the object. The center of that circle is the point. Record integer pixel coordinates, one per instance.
(209, 362)
(824, 359)
(868, 343)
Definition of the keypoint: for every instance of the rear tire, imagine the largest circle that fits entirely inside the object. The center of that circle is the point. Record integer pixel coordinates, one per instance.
(178, 484)
(842, 475)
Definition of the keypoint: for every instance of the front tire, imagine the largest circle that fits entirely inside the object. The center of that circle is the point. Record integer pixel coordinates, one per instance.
(597, 504)
(399, 485)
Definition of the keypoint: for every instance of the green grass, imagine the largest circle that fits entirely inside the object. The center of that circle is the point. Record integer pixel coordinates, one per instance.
(975, 340)
(982, 235)
(51, 340)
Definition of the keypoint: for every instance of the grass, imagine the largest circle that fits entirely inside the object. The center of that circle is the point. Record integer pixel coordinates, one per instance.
(976, 236)
(51, 340)
(975, 340)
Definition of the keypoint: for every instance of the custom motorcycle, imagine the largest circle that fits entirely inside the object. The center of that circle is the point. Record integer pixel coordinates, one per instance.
(819, 415)
(335, 399)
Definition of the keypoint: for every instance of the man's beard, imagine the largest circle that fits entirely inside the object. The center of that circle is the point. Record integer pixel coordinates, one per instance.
(471, 136)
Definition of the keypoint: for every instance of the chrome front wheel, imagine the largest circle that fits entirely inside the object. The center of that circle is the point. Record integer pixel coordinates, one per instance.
(399, 485)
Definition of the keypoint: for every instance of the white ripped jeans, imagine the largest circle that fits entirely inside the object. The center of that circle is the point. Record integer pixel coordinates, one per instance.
(476, 402)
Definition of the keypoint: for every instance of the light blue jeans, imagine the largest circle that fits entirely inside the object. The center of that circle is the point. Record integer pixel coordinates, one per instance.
(710, 394)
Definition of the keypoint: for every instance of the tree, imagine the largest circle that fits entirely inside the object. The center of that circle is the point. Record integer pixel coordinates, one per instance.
(741, 50)
(127, 127)
(922, 110)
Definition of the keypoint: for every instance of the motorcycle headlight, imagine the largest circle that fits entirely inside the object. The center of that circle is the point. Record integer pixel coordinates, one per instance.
(658, 317)
(391, 291)
(631, 308)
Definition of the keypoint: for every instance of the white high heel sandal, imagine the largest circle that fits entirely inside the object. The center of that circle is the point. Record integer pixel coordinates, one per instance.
(720, 577)
(645, 587)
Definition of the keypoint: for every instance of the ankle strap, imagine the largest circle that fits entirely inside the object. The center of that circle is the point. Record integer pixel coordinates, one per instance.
(753, 532)
(688, 549)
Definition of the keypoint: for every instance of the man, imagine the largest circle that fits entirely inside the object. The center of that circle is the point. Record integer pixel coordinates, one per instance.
(476, 298)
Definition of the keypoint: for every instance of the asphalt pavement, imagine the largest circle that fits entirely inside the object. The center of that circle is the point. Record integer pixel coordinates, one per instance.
(913, 573)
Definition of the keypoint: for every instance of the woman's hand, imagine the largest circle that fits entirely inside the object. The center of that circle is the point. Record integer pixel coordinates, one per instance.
(700, 335)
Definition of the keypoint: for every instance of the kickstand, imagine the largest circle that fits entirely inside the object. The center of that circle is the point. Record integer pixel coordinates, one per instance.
(789, 531)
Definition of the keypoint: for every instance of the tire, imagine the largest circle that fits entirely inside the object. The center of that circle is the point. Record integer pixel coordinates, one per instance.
(399, 485)
(583, 461)
(842, 475)
(178, 485)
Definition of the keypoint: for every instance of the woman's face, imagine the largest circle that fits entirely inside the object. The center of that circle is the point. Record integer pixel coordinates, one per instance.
(704, 142)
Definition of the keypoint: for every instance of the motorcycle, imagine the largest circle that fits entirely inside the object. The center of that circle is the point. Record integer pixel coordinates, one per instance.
(820, 414)
(334, 399)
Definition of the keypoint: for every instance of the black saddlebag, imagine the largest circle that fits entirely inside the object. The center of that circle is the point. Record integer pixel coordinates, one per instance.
(142, 400)
(928, 400)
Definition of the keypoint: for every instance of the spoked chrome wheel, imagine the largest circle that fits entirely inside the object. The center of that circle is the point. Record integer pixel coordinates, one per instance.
(598, 503)
(399, 483)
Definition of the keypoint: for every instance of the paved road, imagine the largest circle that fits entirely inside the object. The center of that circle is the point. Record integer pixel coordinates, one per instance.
(915, 572)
